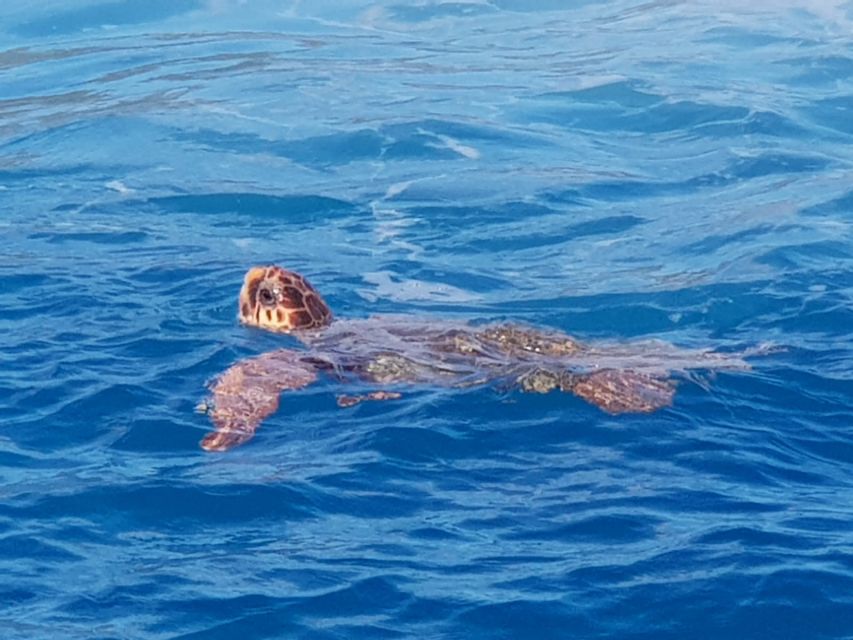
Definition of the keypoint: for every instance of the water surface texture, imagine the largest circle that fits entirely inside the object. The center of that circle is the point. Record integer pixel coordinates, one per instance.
(668, 170)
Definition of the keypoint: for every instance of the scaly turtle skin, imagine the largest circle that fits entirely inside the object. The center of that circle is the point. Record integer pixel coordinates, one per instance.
(401, 351)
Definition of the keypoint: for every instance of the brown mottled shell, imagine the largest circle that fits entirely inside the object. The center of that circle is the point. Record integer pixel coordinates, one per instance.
(275, 299)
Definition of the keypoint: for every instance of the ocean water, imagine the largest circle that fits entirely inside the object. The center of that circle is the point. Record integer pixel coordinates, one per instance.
(671, 170)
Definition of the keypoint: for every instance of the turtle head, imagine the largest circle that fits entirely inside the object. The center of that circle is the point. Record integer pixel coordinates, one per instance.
(278, 300)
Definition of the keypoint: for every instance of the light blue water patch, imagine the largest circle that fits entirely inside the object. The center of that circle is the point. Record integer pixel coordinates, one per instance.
(619, 171)
(96, 16)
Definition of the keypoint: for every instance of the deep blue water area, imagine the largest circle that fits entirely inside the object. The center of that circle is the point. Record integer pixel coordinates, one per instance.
(670, 170)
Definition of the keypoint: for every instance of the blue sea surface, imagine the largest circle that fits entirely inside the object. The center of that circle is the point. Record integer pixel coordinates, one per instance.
(665, 169)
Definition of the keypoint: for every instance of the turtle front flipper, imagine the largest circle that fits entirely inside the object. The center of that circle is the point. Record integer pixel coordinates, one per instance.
(350, 401)
(249, 391)
(616, 391)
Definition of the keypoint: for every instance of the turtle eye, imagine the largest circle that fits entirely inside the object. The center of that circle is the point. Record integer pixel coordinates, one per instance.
(266, 297)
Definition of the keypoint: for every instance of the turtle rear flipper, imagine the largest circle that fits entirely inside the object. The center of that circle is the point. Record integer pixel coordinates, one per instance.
(616, 391)
(249, 391)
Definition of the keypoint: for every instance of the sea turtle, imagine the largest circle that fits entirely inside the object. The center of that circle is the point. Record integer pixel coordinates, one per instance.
(399, 351)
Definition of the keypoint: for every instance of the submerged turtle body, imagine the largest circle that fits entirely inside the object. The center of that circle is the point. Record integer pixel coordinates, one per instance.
(402, 351)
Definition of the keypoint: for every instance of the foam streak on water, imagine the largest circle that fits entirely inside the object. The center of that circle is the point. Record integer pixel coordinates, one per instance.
(676, 171)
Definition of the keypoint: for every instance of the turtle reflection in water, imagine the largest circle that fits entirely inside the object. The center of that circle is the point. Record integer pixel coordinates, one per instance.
(401, 351)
